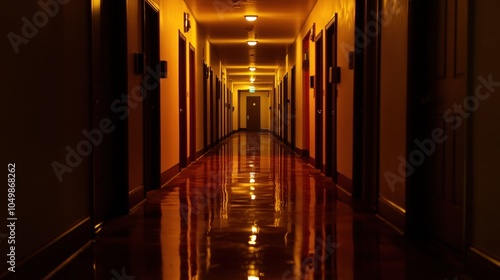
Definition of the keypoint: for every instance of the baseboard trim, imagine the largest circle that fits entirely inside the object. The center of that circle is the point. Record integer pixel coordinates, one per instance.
(343, 195)
(345, 182)
(169, 174)
(199, 154)
(481, 265)
(135, 197)
(50, 257)
(392, 214)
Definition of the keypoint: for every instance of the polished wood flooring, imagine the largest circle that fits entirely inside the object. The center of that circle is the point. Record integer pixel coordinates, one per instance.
(251, 209)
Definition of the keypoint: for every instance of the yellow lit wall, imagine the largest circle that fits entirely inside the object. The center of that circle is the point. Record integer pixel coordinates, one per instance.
(393, 83)
(322, 13)
(171, 22)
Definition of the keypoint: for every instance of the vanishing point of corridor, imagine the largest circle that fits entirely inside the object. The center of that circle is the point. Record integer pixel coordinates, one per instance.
(251, 209)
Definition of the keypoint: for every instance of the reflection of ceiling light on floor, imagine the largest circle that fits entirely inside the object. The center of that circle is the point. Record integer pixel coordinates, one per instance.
(254, 229)
(253, 278)
(252, 188)
(251, 165)
(252, 180)
(253, 196)
(253, 239)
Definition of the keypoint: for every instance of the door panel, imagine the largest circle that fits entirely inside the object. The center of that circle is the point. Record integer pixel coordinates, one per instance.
(445, 167)
(253, 113)
(318, 90)
(305, 94)
(192, 103)
(183, 161)
(109, 76)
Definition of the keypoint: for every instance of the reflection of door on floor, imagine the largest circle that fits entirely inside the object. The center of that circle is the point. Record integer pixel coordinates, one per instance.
(253, 113)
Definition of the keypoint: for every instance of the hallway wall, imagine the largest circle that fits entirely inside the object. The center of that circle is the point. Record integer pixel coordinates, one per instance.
(393, 113)
(320, 16)
(45, 111)
(171, 19)
(486, 130)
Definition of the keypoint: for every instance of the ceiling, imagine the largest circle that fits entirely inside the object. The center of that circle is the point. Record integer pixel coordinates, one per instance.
(277, 26)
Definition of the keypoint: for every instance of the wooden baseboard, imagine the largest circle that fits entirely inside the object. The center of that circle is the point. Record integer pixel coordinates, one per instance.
(135, 197)
(200, 153)
(481, 265)
(392, 214)
(54, 254)
(169, 174)
(345, 182)
(343, 195)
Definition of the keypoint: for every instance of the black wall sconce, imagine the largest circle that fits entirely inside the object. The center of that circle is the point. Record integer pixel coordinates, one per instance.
(187, 23)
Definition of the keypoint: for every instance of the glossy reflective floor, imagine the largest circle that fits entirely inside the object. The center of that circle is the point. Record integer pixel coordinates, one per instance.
(251, 209)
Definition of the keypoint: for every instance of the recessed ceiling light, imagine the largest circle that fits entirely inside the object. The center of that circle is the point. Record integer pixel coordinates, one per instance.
(251, 18)
(252, 68)
(252, 43)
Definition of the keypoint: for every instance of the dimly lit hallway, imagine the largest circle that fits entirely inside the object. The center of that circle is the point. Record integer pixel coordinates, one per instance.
(251, 209)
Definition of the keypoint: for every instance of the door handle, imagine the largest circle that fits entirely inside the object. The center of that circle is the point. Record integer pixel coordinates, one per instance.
(180, 110)
(248, 117)
(319, 111)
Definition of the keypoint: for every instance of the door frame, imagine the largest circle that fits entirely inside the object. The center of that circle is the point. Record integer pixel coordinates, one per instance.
(192, 103)
(292, 108)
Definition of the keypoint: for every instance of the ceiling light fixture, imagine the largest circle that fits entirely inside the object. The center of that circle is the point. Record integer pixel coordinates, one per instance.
(252, 43)
(252, 68)
(252, 80)
(251, 17)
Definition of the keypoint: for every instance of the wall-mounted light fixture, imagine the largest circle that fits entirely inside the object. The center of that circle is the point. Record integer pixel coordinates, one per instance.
(312, 32)
(187, 23)
(252, 43)
(251, 17)
(252, 68)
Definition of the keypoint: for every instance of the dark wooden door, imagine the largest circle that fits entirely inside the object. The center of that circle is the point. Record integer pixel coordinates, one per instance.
(331, 100)
(305, 94)
(109, 81)
(437, 144)
(152, 171)
(212, 110)
(206, 121)
(253, 113)
(192, 103)
(183, 161)
(445, 168)
(286, 111)
(318, 90)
